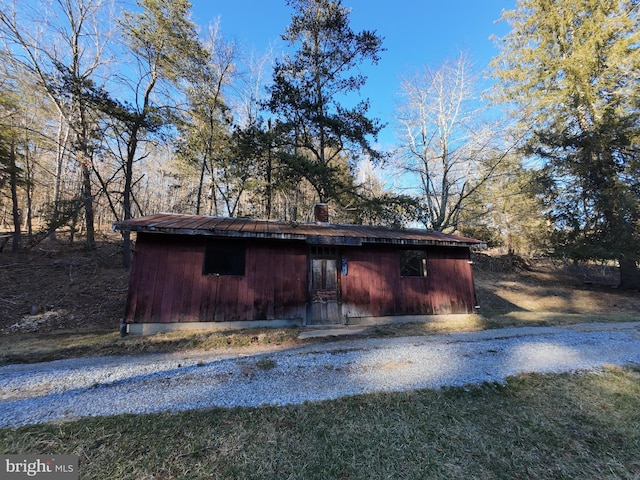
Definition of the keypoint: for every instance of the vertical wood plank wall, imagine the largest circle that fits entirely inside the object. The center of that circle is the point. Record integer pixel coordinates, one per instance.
(374, 287)
(167, 285)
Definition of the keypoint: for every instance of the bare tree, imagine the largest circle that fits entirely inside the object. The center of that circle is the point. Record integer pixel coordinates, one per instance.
(62, 46)
(445, 142)
(251, 88)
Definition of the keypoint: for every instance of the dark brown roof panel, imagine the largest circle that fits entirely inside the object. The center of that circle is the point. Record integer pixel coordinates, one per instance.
(313, 233)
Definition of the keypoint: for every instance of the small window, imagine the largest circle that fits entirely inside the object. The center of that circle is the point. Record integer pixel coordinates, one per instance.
(413, 263)
(324, 251)
(224, 258)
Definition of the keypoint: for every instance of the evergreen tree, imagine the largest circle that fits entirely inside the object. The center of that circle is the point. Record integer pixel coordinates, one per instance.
(205, 129)
(11, 173)
(316, 131)
(572, 70)
(165, 43)
(508, 210)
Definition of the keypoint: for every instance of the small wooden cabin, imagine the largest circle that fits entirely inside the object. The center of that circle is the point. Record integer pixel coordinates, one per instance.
(207, 272)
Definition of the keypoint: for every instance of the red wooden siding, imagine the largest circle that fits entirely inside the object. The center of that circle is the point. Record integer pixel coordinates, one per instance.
(374, 287)
(167, 284)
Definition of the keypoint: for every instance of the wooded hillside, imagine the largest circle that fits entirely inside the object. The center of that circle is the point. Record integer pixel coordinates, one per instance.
(109, 113)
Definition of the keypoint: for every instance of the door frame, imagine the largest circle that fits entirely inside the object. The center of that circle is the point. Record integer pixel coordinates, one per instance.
(324, 306)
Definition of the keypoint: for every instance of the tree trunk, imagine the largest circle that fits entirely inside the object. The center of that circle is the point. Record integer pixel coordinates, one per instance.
(269, 186)
(126, 235)
(29, 219)
(13, 173)
(61, 145)
(200, 186)
(87, 199)
(629, 273)
(126, 199)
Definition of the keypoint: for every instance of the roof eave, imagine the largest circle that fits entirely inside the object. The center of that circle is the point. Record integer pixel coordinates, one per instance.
(310, 239)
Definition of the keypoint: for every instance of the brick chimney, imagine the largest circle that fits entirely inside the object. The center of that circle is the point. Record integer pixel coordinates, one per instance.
(321, 212)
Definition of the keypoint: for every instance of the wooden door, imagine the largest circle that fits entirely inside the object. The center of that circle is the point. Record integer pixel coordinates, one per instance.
(324, 286)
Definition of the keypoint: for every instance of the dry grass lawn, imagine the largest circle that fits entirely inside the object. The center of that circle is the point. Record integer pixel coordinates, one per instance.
(550, 292)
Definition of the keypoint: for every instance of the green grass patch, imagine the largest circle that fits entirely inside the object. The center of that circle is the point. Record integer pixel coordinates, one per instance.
(535, 426)
(266, 364)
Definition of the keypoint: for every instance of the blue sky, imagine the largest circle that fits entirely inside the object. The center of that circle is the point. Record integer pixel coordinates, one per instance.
(416, 33)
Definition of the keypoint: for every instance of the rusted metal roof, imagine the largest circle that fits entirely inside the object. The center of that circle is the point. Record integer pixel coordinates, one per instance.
(312, 233)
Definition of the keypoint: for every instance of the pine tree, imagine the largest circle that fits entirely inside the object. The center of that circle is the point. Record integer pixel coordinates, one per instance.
(315, 129)
(11, 173)
(165, 42)
(572, 70)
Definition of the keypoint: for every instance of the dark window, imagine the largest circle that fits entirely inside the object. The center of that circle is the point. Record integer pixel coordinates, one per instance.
(224, 258)
(413, 263)
(324, 251)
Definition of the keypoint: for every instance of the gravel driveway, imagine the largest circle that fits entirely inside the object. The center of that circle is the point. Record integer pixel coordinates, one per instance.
(68, 389)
